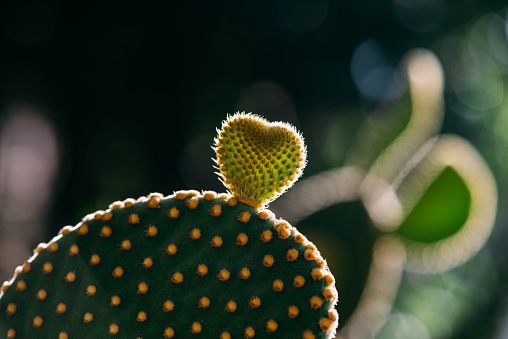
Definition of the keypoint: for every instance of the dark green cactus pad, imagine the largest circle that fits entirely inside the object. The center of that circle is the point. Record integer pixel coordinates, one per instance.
(183, 266)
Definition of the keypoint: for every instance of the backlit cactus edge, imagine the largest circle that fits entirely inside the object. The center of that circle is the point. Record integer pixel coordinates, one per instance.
(187, 265)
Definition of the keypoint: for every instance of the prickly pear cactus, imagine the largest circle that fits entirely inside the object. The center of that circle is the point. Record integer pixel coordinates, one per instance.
(258, 161)
(187, 265)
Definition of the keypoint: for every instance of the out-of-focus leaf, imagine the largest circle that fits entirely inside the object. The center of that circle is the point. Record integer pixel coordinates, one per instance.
(449, 197)
(441, 211)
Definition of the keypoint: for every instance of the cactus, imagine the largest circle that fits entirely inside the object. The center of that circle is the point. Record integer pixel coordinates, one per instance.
(258, 161)
(189, 264)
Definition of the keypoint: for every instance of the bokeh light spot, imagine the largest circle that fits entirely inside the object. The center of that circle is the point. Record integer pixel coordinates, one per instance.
(477, 82)
(374, 74)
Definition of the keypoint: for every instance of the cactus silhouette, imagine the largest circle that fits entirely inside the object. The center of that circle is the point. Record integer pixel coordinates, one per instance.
(188, 264)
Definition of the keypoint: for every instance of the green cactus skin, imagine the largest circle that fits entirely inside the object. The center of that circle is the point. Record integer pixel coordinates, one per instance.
(114, 272)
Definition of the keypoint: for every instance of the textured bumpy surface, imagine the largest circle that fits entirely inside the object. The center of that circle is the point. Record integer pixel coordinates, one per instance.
(190, 264)
(258, 160)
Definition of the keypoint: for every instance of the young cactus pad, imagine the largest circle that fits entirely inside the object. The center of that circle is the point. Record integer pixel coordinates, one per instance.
(187, 265)
(258, 160)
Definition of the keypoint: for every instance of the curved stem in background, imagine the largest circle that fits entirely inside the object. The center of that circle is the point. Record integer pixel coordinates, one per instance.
(393, 185)
(425, 76)
(319, 192)
(455, 152)
(426, 85)
(380, 290)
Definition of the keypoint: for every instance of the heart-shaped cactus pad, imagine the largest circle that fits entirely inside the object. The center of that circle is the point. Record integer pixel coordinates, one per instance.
(258, 160)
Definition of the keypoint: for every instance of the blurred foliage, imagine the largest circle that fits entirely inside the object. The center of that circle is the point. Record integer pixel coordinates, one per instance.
(133, 92)
(441, 211)
(434, 193)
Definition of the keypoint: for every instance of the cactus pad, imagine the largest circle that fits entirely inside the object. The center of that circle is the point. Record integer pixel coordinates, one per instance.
(177, 266)
(190, 264)
(258, 160)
